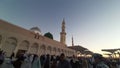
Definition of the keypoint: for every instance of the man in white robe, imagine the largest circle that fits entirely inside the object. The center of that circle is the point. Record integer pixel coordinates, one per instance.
(36, 62)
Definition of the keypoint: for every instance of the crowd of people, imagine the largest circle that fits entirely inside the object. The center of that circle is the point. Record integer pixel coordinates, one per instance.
(25, 60)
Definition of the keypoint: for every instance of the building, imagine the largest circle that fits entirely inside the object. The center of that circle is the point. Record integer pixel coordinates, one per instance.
(112, 53)
(18, 40)
(80, 50)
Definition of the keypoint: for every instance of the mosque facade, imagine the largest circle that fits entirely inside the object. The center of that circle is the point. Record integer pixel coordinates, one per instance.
(15, 39)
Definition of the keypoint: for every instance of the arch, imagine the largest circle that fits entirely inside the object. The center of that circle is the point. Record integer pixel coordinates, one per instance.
(54, 50)
(43, 49)
(24, 45)
(9, 46)
(34, 48)
(49, 48)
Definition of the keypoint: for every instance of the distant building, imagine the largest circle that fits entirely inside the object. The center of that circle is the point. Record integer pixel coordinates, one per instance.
(18, 40)
(81, 50)
(113, 53)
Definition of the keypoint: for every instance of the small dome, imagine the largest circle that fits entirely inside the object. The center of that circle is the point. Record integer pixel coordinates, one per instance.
(49, 35)
(36, 30)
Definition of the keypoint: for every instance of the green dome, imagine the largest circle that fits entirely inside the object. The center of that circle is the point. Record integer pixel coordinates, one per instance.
(49, 35)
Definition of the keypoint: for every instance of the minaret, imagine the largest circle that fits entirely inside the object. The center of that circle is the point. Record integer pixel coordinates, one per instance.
(72, 41)
(63, 33)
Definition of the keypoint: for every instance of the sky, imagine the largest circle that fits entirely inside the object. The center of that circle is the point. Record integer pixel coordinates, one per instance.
(94, 24)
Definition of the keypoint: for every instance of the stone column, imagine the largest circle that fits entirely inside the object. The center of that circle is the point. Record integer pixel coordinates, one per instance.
(28, 51)
(17, 47)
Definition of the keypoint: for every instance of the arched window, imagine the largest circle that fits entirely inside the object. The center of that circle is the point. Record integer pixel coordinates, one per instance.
(24, 45)
(43, 49)
(34, 48)
(54, 51)
(49, 48)
(9, 46)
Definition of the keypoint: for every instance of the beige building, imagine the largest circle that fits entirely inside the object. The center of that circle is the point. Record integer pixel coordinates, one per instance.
(16, 39)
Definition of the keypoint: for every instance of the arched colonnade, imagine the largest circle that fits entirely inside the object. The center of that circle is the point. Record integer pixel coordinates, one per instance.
(10, 45)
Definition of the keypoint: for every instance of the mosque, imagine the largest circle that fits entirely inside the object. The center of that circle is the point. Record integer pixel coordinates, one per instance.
(15, 39)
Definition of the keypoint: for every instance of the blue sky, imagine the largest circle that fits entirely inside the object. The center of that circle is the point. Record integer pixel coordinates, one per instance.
(94, 24)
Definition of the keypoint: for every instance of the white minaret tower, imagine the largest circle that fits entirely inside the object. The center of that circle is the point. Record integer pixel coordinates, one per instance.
(63, 33)
(72, 41)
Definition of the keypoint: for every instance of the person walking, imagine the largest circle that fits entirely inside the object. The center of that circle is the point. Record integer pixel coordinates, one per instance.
(98, 61)
(63, 63)
(36, 62)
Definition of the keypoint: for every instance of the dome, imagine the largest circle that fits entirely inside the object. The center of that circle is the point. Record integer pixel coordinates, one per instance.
(36, 30)
(49, 35)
